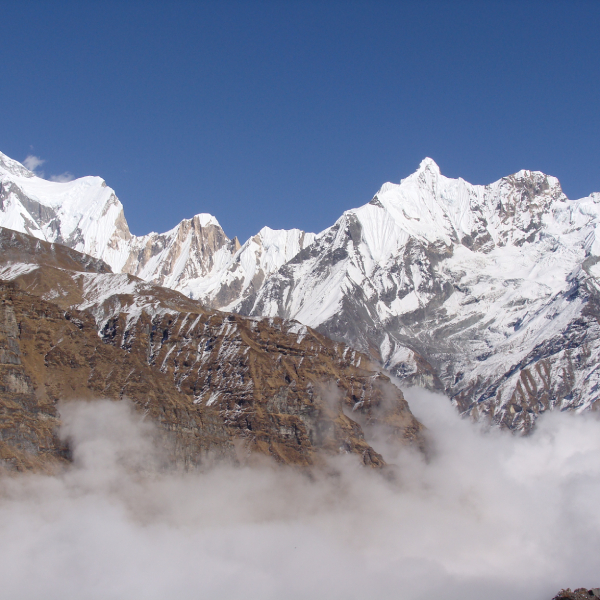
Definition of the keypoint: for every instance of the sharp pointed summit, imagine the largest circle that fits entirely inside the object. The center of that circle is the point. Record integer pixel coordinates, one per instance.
(428, 164)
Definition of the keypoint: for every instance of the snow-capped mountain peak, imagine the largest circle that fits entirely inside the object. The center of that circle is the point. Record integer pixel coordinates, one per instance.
(427, 165)
(84, 214)
(472, 289)
(9, 165)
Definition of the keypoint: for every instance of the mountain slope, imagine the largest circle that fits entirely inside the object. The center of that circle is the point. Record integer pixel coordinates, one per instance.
(488, 293)
(71, 331)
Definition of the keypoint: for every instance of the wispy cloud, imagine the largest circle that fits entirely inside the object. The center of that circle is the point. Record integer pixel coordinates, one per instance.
(32, 162)
(63, 177)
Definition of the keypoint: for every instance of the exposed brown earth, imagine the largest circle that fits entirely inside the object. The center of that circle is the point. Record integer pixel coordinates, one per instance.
(207, 378)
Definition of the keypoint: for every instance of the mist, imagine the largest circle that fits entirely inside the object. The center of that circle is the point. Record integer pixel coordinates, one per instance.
(486, 515)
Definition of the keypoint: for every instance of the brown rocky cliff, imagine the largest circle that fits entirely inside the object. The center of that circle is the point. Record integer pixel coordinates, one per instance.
(207, 377)
(283, 393)
(59, 357)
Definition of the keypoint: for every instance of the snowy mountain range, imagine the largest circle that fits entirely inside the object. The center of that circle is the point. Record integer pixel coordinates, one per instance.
(195, 258)
(488, 293)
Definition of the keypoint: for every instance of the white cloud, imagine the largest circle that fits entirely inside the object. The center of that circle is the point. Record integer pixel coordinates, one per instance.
(63, 177)
(487, 515)
(32, 162)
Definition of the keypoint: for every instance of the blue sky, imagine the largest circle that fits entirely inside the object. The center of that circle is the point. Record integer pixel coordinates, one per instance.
(288, 113)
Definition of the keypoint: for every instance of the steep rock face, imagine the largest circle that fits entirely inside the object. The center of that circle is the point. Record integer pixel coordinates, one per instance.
(195, 257)
(57, 356)
(488, 293)
(208, 377)
(192, 250)
(27, 426)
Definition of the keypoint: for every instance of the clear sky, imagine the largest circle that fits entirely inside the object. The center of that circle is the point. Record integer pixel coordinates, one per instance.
(287, 113)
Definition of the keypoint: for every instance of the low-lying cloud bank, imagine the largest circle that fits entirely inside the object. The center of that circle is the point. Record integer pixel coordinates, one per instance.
(488, 516)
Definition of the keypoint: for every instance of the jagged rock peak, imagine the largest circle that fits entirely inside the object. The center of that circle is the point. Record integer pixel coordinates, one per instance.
(489, 293)
(206, 219)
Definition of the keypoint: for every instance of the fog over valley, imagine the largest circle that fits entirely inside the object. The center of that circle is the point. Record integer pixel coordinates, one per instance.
(487, 514)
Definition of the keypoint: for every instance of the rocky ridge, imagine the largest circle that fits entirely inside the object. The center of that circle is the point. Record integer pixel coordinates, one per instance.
(487, 293)
(70, 329)
(578, 594)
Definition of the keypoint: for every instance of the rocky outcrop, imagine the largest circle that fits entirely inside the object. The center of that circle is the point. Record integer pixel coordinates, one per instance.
(578, 594)
(57, 356)
(28, 438)
(207, 378)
